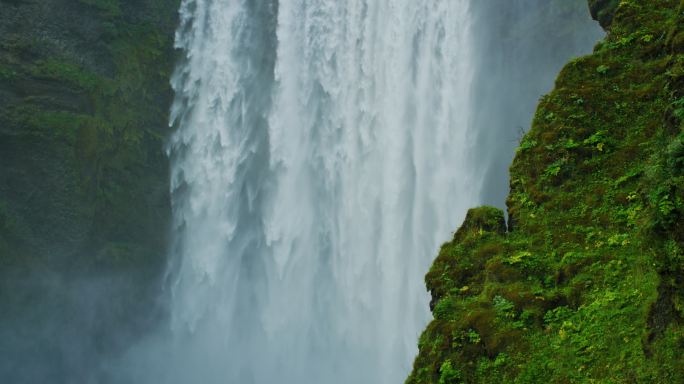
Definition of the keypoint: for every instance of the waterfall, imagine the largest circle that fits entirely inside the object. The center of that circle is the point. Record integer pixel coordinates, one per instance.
(317, 165)
(322, 153)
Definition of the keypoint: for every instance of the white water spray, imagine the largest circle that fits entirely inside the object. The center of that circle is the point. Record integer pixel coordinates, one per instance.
(309, 203)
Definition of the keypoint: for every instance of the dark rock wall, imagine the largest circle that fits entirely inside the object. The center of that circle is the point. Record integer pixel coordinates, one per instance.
(84, 204)
(603, 11)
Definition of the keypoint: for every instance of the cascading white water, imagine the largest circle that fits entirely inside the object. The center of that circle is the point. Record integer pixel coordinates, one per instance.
(316, 168)
(320, 158)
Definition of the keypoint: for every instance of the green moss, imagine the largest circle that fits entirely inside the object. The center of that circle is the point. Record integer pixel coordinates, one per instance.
(46, 124)
(110, 8)
(586, 285)
(104, 127)
(64, 71)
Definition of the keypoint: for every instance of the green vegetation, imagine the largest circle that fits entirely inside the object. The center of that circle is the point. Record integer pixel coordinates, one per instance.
(84, 197)
(103, 123)
(587, 284)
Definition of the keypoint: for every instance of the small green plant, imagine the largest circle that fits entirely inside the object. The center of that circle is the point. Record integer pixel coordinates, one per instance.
(448, 374)
(553, 169)
(598, 140)
(526, 144)
(632, 213)
(622, 42)
(444, 308)
(501, 359)
(570, 144)
(602, 69)
(557, 316)
(616, 240)
(504, 308)
(666, 207)
(473, 336)
(518, 257)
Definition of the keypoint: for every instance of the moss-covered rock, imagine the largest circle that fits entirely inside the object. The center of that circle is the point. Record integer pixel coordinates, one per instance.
(83, 111)
(588, 283)
(603, 11)
(84, 99)
(482, 226)
(482, 219)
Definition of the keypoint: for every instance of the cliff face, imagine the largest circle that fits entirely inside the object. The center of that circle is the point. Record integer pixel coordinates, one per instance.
(586, 284)
(84, 98)
(83, 109)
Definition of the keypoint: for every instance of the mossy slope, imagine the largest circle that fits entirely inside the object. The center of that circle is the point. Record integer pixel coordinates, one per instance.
(587, 284)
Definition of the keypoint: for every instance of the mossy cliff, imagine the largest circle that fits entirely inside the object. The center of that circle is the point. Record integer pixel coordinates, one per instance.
(586, 283)
(83, 110)
(84, 98)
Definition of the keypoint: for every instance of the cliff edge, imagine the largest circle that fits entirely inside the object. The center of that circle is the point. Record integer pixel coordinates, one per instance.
(586, 283)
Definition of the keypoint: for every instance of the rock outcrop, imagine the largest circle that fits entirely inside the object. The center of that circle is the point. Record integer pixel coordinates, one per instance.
(603, 11)
(587, 285)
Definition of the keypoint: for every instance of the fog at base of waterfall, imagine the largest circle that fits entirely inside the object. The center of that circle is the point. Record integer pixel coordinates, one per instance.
(323, 151)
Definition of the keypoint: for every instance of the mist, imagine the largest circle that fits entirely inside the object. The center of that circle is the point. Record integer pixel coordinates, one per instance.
(522, 45)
